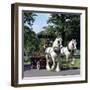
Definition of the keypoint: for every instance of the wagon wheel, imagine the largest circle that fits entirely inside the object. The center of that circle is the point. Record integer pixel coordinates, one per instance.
(38, 65)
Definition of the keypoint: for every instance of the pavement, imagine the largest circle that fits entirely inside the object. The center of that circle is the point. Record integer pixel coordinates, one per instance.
(44, 72)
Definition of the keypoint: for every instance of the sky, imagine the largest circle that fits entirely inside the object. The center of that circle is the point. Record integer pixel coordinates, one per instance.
(40, 21)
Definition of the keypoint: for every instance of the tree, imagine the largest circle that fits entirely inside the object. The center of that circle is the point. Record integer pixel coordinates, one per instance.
(30, 37)
(29, 18)
(66, 24)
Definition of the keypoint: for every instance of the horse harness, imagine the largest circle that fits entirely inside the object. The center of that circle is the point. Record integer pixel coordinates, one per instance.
(57, 50)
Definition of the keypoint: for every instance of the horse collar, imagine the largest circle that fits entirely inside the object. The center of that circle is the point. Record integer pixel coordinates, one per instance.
(56, 50)
(69, 49)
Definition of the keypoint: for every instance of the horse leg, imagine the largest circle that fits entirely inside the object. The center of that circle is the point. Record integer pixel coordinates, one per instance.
(73, 60)
(47, 63)
(67, 56)
(47, 66)
(52, 68)
(67, 60)
(57, 67)
(58, 64)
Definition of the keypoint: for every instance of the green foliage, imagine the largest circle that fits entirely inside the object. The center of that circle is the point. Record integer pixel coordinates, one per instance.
(68, 25)
(29, 18)
(68, 63)
(30, 38)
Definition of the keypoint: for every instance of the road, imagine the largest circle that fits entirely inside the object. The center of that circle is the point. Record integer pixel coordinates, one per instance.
(43, 72)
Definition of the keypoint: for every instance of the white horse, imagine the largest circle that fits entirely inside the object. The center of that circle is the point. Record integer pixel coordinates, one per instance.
(53, 54)
(69, 50)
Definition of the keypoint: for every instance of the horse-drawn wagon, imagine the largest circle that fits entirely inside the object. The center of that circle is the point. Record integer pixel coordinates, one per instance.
(38, 62)
(49, 55)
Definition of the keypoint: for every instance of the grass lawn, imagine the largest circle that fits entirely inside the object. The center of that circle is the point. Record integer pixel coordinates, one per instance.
(64, 63)
(68, 63)
(27, 62)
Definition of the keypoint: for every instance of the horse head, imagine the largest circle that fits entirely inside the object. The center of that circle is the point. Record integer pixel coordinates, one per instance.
(57, 42)
(72, 44)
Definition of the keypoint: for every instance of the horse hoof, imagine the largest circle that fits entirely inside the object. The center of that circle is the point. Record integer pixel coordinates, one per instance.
(48, 69)
(57, 70)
